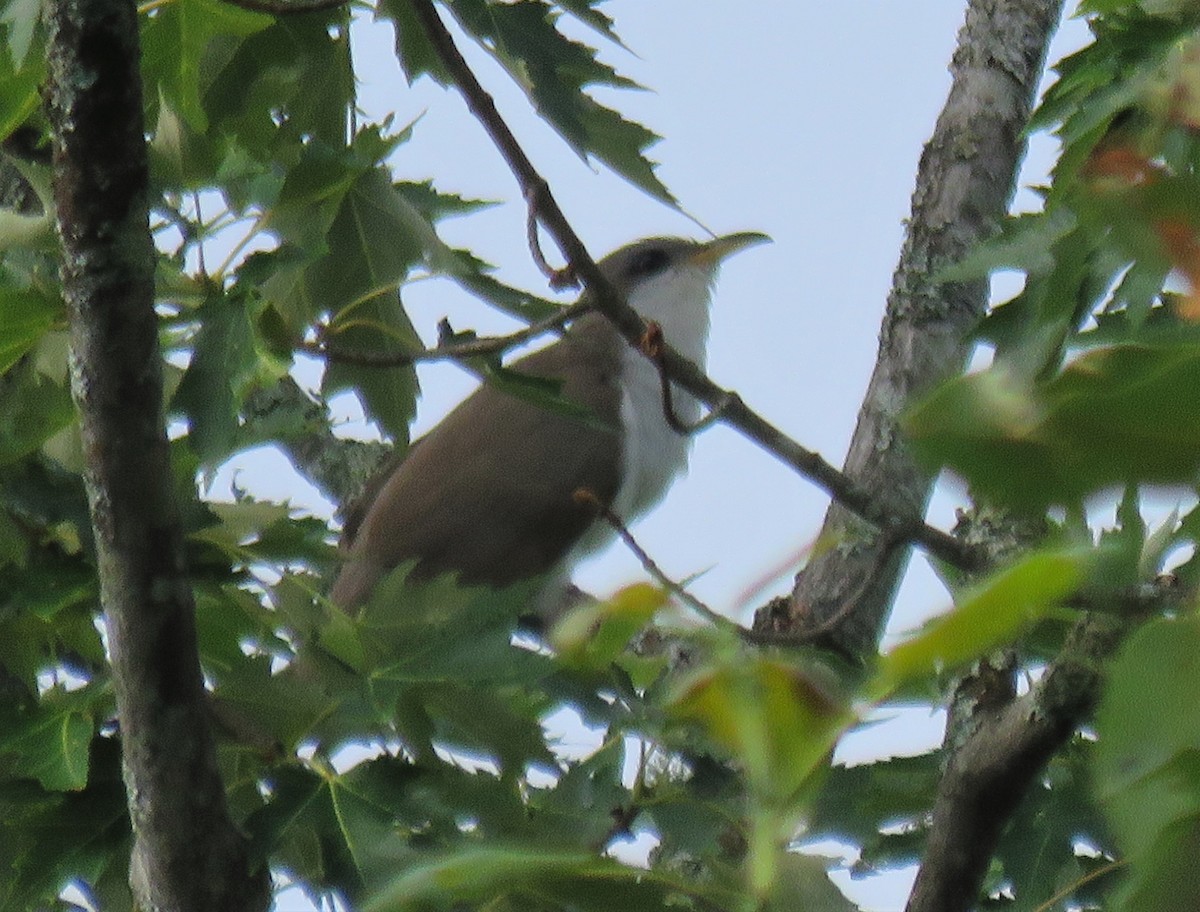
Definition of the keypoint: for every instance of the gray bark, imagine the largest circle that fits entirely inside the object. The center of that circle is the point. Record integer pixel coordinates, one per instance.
(187, 853)
(1003, 744)
(965, 181)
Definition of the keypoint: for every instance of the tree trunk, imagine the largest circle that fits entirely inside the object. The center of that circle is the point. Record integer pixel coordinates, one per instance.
(187, 853)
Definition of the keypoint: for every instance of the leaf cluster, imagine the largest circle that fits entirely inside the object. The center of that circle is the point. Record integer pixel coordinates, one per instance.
(403, 758)
(1086, 404)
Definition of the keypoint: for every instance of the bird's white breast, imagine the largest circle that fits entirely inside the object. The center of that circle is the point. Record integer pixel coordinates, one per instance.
(653, 453)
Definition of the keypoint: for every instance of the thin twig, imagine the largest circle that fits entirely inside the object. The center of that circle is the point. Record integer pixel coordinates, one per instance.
(472, 348)
(558, 278)
(1067, 891)
(887, 547)
(909, 527)
(588, 498)
(653, 347)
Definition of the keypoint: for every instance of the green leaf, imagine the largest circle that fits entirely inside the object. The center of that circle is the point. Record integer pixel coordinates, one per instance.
(515, 301)
(180, 157)
(553, 71)
(22, 229)
(578, 810)
(990, 615)
(25, 316)
(271, 93)
(177, 42)
(48, 839)
(1024, 243)
(803, 883)
(534, 873)
(489, 721)
(434, 205)
(416, 55)
(374, 241)
(1113, 416)
(585, 11)
(1145, 759)
(49, 743)
(285, 708)
(412, 632)
(388, 394)
(20, 18)
(225, 365)
(856, 803)
(595, 635)
(1147, 765)
(311, 197)
(19, 97)
(32, 410)
(779, 719)
(322, 827)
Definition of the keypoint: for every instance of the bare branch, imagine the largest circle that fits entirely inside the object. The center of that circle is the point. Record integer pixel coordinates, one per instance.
(187, 854)
(339, 468)
(964, 183)
(906, 523)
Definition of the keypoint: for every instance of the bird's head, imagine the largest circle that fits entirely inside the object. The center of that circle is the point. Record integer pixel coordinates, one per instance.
(669, 280)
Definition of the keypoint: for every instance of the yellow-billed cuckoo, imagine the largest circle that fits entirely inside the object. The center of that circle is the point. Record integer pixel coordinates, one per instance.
(488, 494)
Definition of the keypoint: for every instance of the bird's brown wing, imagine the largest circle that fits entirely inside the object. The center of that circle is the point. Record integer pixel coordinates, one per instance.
(488, 493)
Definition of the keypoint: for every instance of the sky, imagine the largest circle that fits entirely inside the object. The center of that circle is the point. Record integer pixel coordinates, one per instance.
(799, 118)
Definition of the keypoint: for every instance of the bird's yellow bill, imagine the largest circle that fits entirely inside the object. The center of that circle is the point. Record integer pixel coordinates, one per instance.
(714, 251)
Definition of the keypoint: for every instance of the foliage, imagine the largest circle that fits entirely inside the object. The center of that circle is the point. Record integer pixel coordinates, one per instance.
(1089, 390)
(401, 759)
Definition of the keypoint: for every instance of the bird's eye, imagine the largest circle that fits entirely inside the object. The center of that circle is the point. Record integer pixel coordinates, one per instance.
(648, 262)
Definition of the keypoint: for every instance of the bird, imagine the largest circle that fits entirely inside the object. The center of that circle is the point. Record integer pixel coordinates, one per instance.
(488, 495)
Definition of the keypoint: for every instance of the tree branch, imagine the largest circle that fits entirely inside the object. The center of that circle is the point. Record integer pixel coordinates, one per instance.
(1005, 748)
(998, 745)
(904, 523)
(448, 351)
(965, 181)
(300, 428)
(187, 853)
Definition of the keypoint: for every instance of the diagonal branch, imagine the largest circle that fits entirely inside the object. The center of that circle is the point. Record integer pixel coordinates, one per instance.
(187, 855)
(965, 180)
(903, 523)
(989, 773)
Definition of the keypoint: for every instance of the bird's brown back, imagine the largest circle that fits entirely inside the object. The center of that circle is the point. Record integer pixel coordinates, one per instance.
(438, 508)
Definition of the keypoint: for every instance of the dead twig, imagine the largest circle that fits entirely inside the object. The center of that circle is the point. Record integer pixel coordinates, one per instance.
(558, 278)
